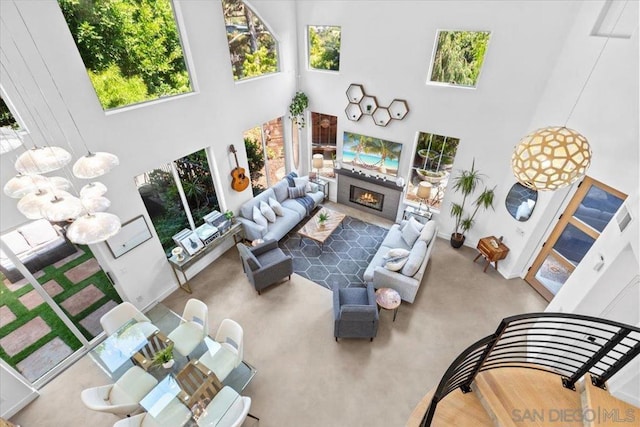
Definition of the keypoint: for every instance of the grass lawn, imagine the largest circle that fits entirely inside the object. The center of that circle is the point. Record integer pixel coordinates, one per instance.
(58, 328)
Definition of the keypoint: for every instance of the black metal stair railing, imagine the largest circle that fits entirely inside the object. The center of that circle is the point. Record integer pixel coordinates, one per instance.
(568, 345)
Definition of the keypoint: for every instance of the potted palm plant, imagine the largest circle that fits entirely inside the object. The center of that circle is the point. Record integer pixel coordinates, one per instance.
(164, 357)
(322, 218)
(466, 183)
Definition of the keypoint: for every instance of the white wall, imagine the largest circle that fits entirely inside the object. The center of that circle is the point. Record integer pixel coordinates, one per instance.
(148, 135)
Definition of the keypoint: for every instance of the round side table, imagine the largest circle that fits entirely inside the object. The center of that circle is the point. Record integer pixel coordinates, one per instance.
(389, 299)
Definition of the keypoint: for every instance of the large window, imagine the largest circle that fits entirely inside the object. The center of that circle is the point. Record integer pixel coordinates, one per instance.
(432, 162)
(6, 117)
(265, 154)
(252, 47)
(324, 48)
(178, 195)
(324, 129)
(458, 57)
(131, 48)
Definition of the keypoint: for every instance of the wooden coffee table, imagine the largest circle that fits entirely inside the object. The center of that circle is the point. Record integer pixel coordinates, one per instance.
(313, 231)
(389, 299)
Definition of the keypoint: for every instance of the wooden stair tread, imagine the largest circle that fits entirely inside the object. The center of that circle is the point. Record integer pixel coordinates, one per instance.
(606, 410)
(456, 409)
(526, 397)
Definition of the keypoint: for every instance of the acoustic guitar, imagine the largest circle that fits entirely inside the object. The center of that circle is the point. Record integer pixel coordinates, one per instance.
(240, 181)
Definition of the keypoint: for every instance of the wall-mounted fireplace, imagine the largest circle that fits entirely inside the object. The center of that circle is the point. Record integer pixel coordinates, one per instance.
(368, 198)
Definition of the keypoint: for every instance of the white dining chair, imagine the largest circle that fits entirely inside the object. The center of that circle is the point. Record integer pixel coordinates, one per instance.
(193, 327)
(220, 414)
(123, 397)
(176, 414)
(230, 336)
(119, 315)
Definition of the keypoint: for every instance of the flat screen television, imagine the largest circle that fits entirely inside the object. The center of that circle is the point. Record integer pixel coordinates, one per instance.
(369, 153)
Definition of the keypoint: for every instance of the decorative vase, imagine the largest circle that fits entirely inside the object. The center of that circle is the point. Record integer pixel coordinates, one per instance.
(457, 240)
(178, 253)
(169, 364)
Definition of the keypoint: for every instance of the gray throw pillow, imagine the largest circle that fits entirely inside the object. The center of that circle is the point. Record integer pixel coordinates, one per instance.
(258, 218)
(410, 233)
(297, 191)
(416, 256)
(427, 232)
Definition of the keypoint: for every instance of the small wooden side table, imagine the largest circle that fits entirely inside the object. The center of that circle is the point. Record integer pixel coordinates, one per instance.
(491, 252)
(389, 299)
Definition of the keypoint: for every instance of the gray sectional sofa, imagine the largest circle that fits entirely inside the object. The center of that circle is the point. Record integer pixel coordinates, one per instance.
(293, 211)
(406, 280)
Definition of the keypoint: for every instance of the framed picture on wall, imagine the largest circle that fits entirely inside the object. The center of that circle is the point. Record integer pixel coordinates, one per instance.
(191, 243)
(131, 234)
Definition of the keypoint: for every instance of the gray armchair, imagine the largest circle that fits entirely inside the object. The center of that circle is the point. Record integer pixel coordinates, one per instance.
(355, 312)
(265, 264)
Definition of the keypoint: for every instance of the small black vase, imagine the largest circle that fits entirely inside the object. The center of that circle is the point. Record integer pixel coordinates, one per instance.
(457, 240)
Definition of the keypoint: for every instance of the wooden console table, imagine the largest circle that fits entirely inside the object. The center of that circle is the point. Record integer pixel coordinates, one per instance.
(490, 252)
(234, 231)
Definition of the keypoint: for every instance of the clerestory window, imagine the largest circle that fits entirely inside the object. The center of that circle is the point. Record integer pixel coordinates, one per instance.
(252, 47)
(131, 49)
(458, 57)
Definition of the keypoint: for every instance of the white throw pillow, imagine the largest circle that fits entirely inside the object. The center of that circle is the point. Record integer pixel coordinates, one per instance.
(397, 252)
(411, 232)
(311, 187)
(258, 218)
(268, 213)
(395, 264)
(276, 206)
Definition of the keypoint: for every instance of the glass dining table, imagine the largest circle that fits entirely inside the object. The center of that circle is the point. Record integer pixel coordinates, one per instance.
(187, 394)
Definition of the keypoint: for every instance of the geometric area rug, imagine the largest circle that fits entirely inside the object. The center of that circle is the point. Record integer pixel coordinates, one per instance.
(344, 258)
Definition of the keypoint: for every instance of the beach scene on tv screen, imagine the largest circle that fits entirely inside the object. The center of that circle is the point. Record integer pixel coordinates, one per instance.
(374, 154)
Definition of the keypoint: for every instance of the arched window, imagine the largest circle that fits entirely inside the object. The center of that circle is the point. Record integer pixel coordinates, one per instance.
(252, 47)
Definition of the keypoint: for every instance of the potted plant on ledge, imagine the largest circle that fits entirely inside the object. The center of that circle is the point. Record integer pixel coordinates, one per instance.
(164, 357)
(466, 183)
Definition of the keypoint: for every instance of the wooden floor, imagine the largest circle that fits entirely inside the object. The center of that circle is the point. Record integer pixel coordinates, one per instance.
(514, 397)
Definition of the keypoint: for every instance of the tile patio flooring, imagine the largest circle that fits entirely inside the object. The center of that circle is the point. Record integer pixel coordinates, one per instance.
(40, 361)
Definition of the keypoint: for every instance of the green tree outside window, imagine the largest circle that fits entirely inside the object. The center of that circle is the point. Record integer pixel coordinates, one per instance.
(459, 57)
(324, 48)
(131, 49)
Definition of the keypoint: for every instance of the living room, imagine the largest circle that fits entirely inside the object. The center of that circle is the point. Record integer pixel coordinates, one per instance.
(538, 59)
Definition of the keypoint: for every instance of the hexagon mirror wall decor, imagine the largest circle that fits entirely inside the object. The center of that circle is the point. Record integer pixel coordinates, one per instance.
(520, 201)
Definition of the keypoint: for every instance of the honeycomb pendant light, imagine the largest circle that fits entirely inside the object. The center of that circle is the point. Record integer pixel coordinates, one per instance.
(93, 165)
(31, 204)
(551, 158)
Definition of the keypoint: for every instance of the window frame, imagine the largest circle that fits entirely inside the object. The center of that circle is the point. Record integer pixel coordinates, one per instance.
(434, 50)
(308, 50)
(186, 56)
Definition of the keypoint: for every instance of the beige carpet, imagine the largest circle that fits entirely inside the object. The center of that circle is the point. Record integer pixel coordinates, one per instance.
(304, 377)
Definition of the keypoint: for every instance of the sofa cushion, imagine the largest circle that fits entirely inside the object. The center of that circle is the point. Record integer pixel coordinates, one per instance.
(311, 187)
(418, 252)
(280, 190)
(297, 191)
(258, 218)
(246, 210)
(276, 206)
(394, 239)
(411, 232)
(267, 212)
(38, 232)
(427, 232)
(16, 242)
(283, 224)
(301, 181)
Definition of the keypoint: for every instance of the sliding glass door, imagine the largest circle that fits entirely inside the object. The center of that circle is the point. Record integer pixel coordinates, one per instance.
(45, 320)
(587, 214)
